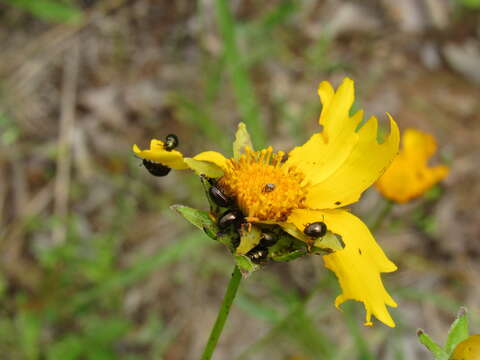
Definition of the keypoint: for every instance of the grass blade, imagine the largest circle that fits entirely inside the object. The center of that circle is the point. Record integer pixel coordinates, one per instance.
(242, 86)
(49, 10)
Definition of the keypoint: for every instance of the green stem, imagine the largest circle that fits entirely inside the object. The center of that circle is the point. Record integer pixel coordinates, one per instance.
(222, 314)
(387, 208)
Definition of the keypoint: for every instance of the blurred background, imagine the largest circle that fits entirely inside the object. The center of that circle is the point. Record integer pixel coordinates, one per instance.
(94, 264)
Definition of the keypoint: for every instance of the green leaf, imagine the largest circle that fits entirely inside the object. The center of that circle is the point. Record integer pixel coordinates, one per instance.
(214, 208)
(293, 231)
(49, 10)
(472, 4)
(250, 236)
(229, 238)
(199, 218)
(330, 241)
(246, 266)
(242, 140)
(458, 331)
(437, 352)
(287, 248)
(289, 256)
(30, 329)
(204, 168)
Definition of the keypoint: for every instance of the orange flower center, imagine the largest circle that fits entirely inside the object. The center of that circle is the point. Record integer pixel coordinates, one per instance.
(264, 188)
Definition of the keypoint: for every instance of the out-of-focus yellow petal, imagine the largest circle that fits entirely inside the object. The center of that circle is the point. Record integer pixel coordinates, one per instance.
(325, 152)
(409, 175)
(157, 153)
(366, 162)
(418, 144)
(212, 157)
(468, 349)
(359, 265)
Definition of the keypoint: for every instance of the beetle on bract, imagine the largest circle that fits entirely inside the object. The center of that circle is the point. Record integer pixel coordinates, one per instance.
(258, 254)
(156, 169)
(230, 217)
(268, 239)
(316, 229)
(218, 196)
(171, 142)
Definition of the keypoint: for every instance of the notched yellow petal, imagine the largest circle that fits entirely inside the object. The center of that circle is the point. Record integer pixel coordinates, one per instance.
(157, 153)
(341, 162)
(366, 162)
(336, 108)
(242, 141)
(359, 265)
(325, 152)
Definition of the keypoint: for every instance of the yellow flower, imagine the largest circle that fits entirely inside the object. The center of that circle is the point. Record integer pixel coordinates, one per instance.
(468, 349)
(409, 175)
(330, 171)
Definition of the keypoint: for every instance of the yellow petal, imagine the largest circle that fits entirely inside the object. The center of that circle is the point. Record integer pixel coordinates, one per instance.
(157, 153)
(366, 162)
(336, 108)
(325, 152)
(418, 144)
(409, 176)
(359, 265)
(212, 157)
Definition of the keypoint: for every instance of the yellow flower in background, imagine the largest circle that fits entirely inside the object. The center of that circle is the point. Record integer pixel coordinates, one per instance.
(330, 171)
(468, 349)
(409, 175)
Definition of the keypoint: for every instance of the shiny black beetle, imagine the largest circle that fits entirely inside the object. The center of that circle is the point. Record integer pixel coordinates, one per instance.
(230, 217)
(171, 142)
(218, 196)
(156, 169)
(268, 239)
(258, 254)
(316, 229)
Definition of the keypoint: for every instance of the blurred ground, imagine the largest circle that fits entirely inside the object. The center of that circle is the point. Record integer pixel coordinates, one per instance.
(95, 265)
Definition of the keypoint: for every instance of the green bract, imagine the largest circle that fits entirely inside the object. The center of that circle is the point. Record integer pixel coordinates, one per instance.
(458, 332)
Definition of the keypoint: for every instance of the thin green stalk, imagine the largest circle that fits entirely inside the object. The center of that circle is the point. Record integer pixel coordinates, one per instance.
(242, 86)
(222, 314)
